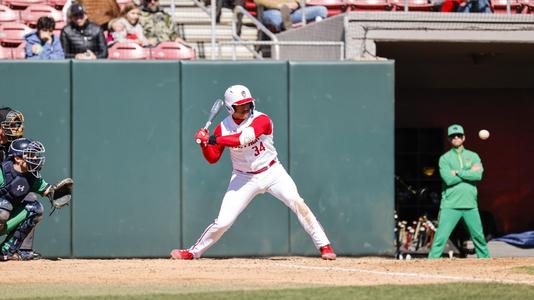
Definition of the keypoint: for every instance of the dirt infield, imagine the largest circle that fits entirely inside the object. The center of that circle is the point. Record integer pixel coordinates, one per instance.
(96, 277)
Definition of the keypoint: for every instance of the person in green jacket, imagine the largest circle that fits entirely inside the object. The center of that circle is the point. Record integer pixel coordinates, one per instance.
(460, 170)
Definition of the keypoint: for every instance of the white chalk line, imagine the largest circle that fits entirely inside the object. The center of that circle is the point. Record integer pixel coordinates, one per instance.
(402, 274)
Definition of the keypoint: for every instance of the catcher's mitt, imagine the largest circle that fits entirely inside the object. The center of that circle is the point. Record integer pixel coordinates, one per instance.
(60, 193)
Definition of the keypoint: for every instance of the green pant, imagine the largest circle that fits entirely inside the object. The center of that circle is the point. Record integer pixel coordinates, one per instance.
(448, 218)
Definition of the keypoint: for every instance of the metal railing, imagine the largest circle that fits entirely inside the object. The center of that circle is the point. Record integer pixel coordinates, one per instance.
(212, 14)
(241, 10)
(274, 40)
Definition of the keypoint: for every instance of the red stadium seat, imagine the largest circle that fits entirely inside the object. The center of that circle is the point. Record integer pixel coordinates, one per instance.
(334, 7)
(8, 15)
(58, 4)
(22, 4)
(250, 6)
(12, 34)
(123, 3)
(499, 6)
(369, 5)
(413, 5)
(128, 51)
(32, 13)
(450, 5)
(172, 50)
(528, 6)
(5, 53)
(19, 52)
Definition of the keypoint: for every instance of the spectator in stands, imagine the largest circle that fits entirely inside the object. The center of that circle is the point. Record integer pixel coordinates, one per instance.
(445, 5)
(231, 4)
(43, 43)
(475, 6)
(127, 27)
(81, 38)
(281, 14)
(158, 25)
(101, 11)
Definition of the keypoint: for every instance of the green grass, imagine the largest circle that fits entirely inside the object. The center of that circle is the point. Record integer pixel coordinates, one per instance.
(526, 269)
(394, 292)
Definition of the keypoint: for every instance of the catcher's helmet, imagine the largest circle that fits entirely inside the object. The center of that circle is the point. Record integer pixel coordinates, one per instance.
(237, 95)
(12, 122)
(31, 151)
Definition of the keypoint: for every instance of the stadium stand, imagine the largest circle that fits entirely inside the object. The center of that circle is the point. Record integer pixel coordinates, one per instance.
(22, 4)
(334, 7)
(5, 53)
(172, 50)
(58, 4)
(499, 6)
(32, 13)
(251, 7)
(12, 34)
(413, 5)
(128, 51)
(19, 52)
(8, 15)
(369, 5)
(195, 27)
(123, 3)
(528, 6)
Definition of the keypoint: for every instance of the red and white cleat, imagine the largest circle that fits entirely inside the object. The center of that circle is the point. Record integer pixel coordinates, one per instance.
(181, 254)
(327, 252)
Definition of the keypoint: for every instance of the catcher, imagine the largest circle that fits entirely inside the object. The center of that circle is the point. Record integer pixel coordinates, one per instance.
(11, 128)
(20, 175)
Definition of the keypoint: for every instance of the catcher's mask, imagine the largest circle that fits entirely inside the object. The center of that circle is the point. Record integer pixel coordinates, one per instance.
(13, 125)
(237, 95)
(32, 152)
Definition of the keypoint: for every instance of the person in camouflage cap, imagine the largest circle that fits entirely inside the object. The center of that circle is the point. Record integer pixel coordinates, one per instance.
(158, 25)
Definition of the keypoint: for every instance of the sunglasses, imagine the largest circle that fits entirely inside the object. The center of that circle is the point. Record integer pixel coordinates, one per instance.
(78, 16)
(148, 1)
(453, 136)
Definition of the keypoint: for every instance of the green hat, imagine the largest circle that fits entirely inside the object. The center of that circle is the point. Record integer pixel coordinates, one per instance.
(455, 129)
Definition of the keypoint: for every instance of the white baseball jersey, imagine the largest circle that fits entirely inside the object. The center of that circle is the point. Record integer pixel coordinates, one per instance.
(254, 155)
(255, 172)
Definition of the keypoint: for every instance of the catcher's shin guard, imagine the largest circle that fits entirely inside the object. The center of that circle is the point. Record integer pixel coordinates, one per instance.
(34, 212)
(27, 244)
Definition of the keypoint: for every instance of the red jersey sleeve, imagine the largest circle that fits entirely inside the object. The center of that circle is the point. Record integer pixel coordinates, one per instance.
(261, 125)
(212, 153)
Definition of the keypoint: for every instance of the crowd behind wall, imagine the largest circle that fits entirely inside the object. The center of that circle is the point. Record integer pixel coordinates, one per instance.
(88, 28)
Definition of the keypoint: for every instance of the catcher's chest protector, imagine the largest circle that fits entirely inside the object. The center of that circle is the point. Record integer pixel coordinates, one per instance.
(16, 186)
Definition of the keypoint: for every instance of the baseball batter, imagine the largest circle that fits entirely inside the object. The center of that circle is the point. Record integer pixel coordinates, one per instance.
(248, 134)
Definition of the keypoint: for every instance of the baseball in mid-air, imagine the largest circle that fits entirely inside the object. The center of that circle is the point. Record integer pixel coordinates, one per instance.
(483, 134)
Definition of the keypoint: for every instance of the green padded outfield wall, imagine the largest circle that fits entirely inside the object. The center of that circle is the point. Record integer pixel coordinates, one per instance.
(126, 135)
(124, 131)
(42, 92)
(341, 133)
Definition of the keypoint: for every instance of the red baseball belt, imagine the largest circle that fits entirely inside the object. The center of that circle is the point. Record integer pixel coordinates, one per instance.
(264, 168)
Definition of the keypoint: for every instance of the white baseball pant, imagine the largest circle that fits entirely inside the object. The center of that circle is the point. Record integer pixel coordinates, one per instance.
(242, 189)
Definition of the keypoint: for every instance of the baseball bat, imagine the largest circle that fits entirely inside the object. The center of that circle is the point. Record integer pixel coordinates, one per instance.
(213, 112)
